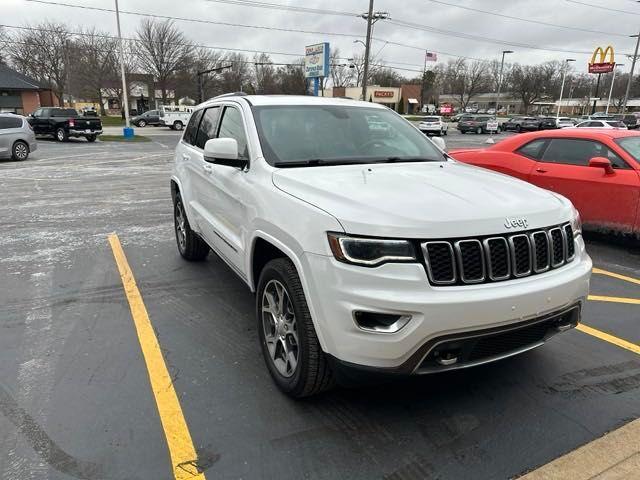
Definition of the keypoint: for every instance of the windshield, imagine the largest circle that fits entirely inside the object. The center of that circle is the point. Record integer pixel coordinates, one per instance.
(333, 134)
(631, 145)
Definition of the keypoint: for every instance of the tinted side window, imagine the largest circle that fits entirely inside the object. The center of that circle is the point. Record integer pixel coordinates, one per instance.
(208, 126)
(8, 122)
(192, 128)
(579, 152)
(533, 149)
(231, 126)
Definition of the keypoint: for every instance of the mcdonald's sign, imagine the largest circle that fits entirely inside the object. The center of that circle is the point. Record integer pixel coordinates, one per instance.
(602, 66)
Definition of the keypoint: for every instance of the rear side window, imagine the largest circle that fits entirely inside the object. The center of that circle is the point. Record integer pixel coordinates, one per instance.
(232, 126)
(192, 128)
(9, 122)
(533, 149)
(208, 126)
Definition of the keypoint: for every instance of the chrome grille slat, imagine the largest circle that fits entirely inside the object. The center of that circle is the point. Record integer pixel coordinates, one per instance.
(498, 258)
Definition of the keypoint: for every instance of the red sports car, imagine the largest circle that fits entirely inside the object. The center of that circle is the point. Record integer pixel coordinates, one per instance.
(598, 170)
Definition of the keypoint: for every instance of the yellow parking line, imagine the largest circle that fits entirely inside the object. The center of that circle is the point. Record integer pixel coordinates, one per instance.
(616, 275)
(181, 449)
(609, 338)
(602, 298)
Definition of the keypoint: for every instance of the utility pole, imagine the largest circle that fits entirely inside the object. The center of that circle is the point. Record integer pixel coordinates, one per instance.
(606, 112)
(564, 76)
(128, 131)
(424, 79)
(593, 108)
(371, 18)
(504, 52)
(633, 66)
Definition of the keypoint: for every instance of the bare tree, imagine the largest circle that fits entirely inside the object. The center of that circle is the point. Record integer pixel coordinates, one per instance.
(163, 50)
(387, 77)
(466, 79)
(341, 74)
(264, 75)
(531, 83)
(95, 61)
(42, 53)
(291, 79)
(237, 78)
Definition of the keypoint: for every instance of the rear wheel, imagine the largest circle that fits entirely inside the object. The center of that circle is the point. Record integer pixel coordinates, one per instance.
(61, 135)
(444, 132)
(288, 338)
(518, 128)
(142, 124)
(190, 245)
(479, 130)
(177, 126)
(20, 151)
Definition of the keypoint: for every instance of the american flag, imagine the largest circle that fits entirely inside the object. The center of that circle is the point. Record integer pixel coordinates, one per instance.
(431, 57)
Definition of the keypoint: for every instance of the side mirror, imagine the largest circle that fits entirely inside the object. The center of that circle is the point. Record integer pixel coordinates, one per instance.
(602, 162)
(439, 141)
(223, 151)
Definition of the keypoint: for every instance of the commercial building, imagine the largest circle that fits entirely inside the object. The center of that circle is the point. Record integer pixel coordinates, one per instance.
(405, 99)
(22, 94)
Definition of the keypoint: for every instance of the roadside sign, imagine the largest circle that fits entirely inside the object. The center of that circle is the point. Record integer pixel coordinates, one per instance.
(602, 66)
(492, 125)
(316, 60)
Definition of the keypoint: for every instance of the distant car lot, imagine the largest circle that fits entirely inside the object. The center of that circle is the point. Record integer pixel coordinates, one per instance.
(70, 359)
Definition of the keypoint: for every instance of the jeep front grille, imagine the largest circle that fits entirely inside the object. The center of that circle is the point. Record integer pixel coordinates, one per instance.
(498, 258)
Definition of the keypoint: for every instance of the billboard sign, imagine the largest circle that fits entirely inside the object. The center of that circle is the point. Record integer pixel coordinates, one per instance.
(316, 60)
(383, 93)
(602, 66)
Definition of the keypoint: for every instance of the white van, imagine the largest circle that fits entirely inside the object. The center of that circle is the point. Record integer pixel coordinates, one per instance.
(176, 117)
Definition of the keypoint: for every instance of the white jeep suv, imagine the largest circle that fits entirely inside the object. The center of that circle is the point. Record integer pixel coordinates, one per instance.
(369, 249)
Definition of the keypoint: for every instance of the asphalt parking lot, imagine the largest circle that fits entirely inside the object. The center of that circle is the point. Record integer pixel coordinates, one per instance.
(75, 394)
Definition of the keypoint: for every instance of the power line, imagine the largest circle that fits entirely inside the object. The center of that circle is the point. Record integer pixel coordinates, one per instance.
(291, 8)
(510, 17)
(603, 8)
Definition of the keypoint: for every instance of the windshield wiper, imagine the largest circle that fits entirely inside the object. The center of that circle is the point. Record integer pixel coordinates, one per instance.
(408, 159)
(317, 162)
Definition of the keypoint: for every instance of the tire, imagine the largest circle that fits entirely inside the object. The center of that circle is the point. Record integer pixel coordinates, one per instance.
(463, 132)
(142, 124)
(478, 130)
(444, 132)
(190, 245)
(311, 373)
(91, 138)
(518, 128)
(61, 135)
(178, 126)
(20, 151)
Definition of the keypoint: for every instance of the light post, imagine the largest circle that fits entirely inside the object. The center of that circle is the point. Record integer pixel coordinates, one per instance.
(128, 131)
(564, 76)
(606, 112)
(504, 52)
(633, 66)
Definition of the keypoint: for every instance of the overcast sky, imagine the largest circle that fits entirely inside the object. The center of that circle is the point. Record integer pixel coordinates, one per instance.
(568, 43)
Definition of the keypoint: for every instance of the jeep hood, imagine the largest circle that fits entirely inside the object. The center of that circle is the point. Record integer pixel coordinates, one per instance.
(422, 200)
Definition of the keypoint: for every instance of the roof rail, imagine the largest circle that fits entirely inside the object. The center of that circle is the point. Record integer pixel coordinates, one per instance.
(232, 94)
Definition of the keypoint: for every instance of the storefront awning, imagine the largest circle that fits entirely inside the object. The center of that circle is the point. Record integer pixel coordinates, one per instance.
(413, 100)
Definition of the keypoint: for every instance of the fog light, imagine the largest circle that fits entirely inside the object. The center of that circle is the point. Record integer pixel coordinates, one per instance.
(380, 322)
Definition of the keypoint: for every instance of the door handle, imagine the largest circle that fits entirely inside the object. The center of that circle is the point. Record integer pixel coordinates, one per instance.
(207, 168)
(541, 170)
(186, 157)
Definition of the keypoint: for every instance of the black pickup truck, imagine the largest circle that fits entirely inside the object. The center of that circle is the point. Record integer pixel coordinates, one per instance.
(63, 123)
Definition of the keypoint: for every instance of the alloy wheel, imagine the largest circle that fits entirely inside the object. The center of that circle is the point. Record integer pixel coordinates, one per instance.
(21, 151)
(280, 329)
(181, 227)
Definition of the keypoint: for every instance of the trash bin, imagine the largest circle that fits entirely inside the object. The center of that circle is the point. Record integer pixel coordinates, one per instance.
(127, 132)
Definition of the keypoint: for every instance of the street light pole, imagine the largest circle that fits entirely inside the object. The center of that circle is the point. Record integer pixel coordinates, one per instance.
(633, 66)
(504, 52)
(606, 112)
(204, 72)
(125, 95)
(564, 76)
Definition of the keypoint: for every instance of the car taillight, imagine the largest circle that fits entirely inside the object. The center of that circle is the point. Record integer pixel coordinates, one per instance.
(72, 123)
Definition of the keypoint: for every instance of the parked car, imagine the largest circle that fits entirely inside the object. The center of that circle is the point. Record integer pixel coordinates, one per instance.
(512, 124)
(565, 122)
(597, 170)
(482, 110)
(63, 123)
(602, 124)
(478, 124)
(17, 139)
(151, 117)
(433, 125)
(371, 253)
(547, 123)
(631, 120)
(459, 116)
(491, 111)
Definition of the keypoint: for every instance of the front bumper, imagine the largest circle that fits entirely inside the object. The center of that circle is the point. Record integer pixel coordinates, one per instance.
(337, 290)
(83, 133)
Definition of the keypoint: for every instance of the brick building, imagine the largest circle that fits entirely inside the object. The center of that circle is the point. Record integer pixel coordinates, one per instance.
(22, 94)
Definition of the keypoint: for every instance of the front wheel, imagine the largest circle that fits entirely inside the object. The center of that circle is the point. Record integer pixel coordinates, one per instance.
(142, 124)
(288, 338)
(190, 245)
(20, 151)
(177, 126)
(91, 138)
(61, 135)
(444, 132)
(479, 130)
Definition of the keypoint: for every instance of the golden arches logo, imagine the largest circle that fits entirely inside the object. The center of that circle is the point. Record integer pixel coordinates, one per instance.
(603, 55)
(602, 66)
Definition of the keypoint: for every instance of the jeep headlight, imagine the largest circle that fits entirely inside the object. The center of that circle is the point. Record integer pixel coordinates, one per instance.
(576, 222)
(370, 252)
